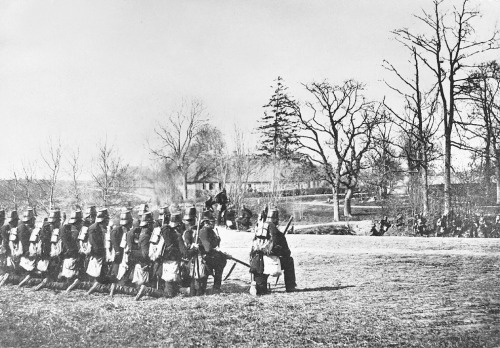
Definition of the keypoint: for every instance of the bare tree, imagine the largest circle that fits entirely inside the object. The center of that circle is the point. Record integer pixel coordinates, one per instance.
(418, 123)
(242, 166)
(52, 160)
(110, 174)
(338, 133)
(177, 136)
(75, 170)
(483, 89)
(447, 50)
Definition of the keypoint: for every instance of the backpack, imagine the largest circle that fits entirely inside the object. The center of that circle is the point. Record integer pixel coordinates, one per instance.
(156, 243)
(55, 244)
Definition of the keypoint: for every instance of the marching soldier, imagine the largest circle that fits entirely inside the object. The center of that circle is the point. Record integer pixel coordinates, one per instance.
(96, 267)
(25, 230)
(209, 244)
(8, 264)
(142, 268)
(51, 249)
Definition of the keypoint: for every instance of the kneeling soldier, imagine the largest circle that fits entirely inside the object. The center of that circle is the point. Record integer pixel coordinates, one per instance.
(215, 260)
(96, 267)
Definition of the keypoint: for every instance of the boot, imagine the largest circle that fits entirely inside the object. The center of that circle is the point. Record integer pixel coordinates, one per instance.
(93, 288)
(140, 293)
(41, 285)
(28, 277)
(72, 286)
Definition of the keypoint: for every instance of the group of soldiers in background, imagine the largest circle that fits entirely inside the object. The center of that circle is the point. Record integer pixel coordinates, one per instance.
(458, 225)
(166, 254)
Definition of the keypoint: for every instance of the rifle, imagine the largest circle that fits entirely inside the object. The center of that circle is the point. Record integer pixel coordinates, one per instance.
(196, 266)
(288, 225)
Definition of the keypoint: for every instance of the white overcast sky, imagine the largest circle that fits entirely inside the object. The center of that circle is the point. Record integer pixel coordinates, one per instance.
(86, 70)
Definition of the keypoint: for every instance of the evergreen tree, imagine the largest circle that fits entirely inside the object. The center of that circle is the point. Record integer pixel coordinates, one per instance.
(277, 127)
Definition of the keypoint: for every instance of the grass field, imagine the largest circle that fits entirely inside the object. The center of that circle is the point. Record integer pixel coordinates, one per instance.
(353, 292)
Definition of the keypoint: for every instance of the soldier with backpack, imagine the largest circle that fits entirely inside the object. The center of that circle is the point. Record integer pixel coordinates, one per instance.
(270, 253)
(7, 232)
(96, 268)
(49, 263)
(143, 266)
(119, 267)
(25, 231)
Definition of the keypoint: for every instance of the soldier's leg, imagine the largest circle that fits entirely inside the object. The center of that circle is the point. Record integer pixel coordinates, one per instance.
(261, 283)
(171, 289)
(288, 267)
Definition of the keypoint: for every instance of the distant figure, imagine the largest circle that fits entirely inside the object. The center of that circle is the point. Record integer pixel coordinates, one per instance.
(222, 201)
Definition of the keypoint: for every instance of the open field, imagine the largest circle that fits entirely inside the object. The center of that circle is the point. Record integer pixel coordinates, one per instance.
(353, 292)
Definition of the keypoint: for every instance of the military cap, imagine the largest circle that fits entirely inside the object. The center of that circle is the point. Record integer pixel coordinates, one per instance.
(125, 217)
(75, 216)
(175, 219)
(165, 210)
(54, 215)
(273, 214)
(146, 218)
(102, 215)
(143, 208)
(90, 211)
(13, 216)
(28, 215)
(190, 213)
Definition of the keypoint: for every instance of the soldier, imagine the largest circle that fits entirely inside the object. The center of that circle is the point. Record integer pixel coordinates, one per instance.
(8, 264)
(209, 244)
(170, 257)
(245, 218)
(384, 225)
(72, 265)
(221, 200)
(156, 246)
(179, 228)
(197, 265)
(96, 268)
(80, 224)
(24, 230)
(118, 245)
(142, 268)
(271, 242)
(482, 229)
(421, 221)
(52, 249)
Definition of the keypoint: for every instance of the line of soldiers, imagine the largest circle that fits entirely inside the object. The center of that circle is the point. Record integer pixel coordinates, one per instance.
(167, 254)
(458, 225)
(164, 253)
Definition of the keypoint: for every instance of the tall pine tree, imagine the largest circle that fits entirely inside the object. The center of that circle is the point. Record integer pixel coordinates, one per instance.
(277, 127)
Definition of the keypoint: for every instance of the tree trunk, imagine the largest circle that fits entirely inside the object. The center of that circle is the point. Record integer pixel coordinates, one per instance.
(336, 204)
(497, 173)
(425, 192)
(447, 172)
(347, 202)
(184, 186)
